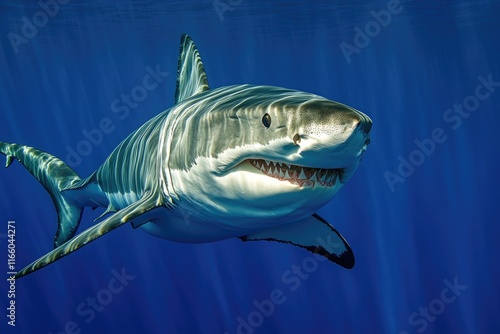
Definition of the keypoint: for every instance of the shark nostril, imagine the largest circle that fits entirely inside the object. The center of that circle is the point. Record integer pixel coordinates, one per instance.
(296, 139)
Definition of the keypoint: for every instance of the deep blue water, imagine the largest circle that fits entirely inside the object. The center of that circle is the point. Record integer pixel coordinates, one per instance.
(433, 226)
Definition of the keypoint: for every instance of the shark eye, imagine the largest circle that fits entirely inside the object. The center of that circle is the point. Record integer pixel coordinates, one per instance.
(266, 120)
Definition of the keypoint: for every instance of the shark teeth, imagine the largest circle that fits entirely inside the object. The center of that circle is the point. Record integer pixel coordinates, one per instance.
(281, 175)
(302, 176)
(298, 175)
(323, 178)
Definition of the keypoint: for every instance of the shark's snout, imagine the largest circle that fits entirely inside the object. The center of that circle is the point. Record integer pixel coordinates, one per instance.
(329, 119)
(331, 135)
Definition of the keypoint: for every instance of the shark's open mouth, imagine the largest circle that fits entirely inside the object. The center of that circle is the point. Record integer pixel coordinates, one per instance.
(301, 176)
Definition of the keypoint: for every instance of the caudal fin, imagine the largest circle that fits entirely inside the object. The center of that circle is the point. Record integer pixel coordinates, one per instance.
(55, 176)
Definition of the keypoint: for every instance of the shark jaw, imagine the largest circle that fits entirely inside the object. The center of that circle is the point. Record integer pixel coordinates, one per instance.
(298, 175)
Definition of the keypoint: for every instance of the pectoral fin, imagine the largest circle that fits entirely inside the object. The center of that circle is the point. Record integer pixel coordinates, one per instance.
(147, 203)
(314, 234)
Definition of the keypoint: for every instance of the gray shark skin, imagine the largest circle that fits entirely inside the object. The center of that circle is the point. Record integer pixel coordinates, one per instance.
(253, 162)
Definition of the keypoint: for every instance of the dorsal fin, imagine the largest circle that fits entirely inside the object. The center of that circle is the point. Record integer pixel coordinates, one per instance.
(191, 76)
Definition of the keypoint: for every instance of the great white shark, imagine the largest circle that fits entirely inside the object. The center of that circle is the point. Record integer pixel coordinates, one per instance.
(243, 161)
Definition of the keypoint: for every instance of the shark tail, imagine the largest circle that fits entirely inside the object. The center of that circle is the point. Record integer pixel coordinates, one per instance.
(55, 176)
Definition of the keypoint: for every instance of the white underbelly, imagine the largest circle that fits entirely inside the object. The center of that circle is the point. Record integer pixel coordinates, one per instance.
(188, 229)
